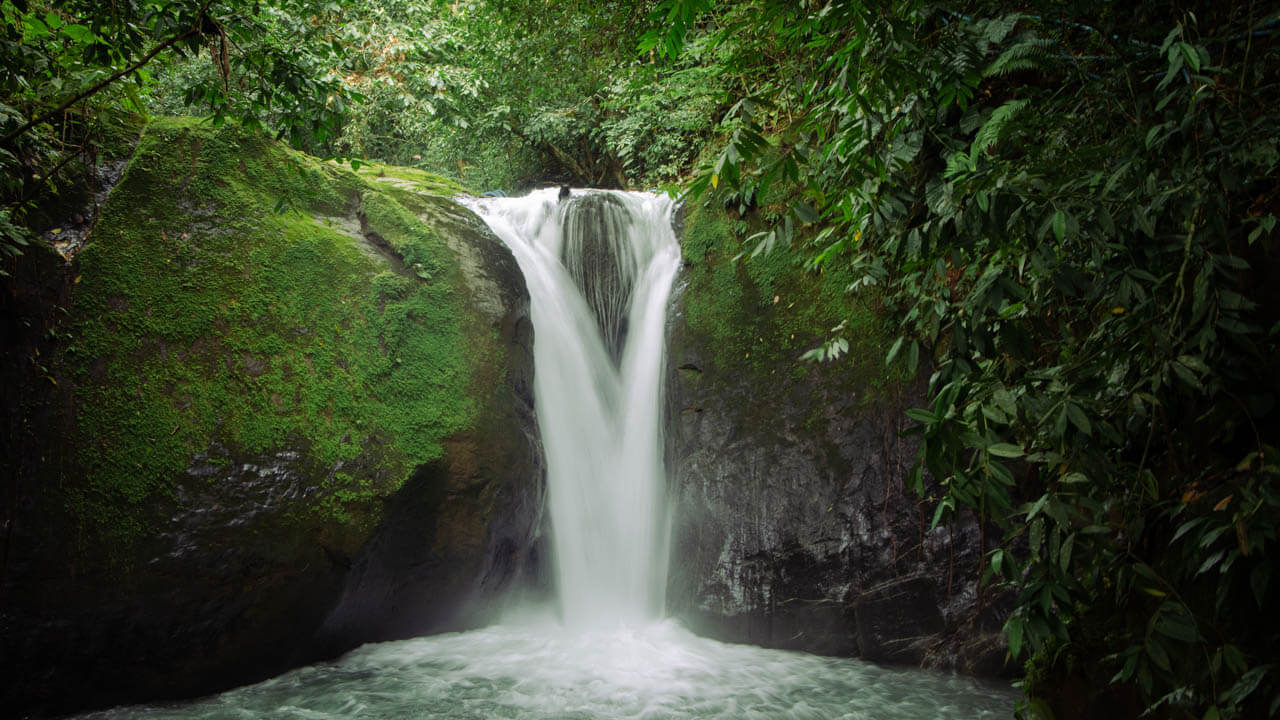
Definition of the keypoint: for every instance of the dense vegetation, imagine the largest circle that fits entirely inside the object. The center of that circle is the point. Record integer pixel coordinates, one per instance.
(1068, 208)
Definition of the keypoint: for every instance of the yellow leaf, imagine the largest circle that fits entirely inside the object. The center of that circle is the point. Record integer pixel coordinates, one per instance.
(715, 180)
(1222, 504)
(1117, 310)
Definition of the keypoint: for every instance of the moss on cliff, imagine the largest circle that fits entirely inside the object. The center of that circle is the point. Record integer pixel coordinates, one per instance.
(224, 297)
(759, 315)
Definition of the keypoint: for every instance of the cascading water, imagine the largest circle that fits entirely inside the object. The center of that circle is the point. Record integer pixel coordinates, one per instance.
(599, 267)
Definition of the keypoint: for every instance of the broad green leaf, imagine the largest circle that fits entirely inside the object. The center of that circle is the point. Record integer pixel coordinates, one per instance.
(923, 416)
(894, 349)
(1079, 419)
(1013, 628)
(1060, 225)
(1191, 55)
(80, 34)
(1005, 400)
(1005, 450)
(1177, 627)
(1157, 653)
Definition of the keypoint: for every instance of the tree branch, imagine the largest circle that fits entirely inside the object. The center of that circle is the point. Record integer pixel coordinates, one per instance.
(94, 89)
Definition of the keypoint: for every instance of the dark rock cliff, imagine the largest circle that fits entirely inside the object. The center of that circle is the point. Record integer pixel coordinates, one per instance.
(793, 525)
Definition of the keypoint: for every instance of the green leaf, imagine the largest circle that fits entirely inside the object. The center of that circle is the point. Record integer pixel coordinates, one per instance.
(805, 212)
(1064, 555)
(1013, 628)
(894, 349)
(1005, 400)
(1005, 450)
(1210, 561)
(1177, 627)
(1157, 654)
(1191, 55)
(923, 416)
(1185, 375)
(1151, 135)
(1060, 225)
(1187, 527)
(1079, 419)
(80, 34)
(1235, 659)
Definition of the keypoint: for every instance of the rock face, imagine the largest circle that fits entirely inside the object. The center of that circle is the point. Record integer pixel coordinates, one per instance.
(793, 525)
(246, 439)
(594, 226)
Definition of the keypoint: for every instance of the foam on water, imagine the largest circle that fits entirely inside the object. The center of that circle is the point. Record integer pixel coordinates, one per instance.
(540, 671)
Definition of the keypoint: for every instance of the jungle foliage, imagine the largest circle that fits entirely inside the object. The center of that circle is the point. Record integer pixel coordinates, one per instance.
(73, 73)
(503, 94)
(1070, 207)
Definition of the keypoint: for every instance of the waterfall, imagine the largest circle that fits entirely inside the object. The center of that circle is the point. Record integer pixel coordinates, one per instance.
(599, 266)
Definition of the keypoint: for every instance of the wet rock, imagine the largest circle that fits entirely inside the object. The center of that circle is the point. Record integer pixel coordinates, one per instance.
(897, 620)
(791, 512)
(604, 267)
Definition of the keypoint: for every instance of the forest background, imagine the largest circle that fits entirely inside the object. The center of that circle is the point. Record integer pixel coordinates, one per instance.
(1065, 209)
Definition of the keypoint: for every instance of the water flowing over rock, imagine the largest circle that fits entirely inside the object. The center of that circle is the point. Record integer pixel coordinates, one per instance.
(599, 268)
(602, 262)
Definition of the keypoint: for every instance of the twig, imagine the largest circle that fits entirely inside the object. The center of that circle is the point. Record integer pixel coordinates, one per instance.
(94, 89)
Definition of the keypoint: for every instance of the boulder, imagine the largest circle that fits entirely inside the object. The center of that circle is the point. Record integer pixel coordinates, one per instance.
(282, 410)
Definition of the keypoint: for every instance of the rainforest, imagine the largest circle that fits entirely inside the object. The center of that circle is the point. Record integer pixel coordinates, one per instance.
(665, 359)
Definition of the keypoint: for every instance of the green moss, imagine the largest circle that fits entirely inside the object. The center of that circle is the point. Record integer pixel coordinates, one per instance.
(759, 315)
(205, 313)
(408, 185)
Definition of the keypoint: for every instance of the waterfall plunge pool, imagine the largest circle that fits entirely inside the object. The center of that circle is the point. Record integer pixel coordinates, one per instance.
(539, 670)
(599, 267)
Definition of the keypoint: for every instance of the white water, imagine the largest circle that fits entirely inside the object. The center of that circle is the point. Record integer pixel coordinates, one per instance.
(539, 671)
(607, 654)
(600, 421)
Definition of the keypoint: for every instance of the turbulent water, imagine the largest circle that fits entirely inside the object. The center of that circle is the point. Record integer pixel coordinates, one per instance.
(599, 268)
(540, 671)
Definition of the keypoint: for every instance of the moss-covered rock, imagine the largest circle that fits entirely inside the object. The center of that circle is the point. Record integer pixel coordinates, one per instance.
(789, 475)
(261, 359)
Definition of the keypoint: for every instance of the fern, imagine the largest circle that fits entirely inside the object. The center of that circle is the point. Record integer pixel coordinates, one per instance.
(991, 130)
(1028, 54)
(995, 30)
